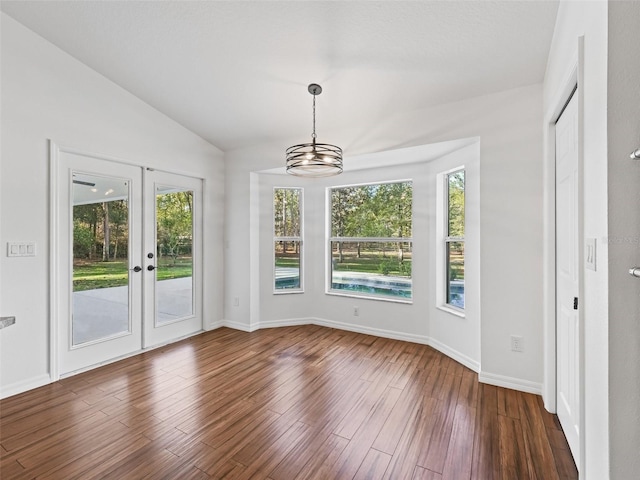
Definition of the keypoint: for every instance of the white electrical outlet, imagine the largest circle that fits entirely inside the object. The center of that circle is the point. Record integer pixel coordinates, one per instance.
(356, 311)
(517, 343)
(236, 301)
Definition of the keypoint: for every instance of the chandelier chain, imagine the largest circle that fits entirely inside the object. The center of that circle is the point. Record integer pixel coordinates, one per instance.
(313, 135)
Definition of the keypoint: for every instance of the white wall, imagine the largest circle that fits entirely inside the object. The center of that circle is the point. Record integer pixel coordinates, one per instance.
(419, 321)
(623, 125)
(508, 125)
(46, 94)
(588, 20)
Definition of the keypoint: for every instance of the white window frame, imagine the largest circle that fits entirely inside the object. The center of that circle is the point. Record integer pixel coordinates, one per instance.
(445, 239)
(329, 241)
(299, 239)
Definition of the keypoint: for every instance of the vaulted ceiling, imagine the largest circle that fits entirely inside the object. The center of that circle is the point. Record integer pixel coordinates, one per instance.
(236, 72)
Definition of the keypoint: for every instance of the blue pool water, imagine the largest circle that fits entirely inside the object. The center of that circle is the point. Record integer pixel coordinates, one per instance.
(375, 285)
(356, 287)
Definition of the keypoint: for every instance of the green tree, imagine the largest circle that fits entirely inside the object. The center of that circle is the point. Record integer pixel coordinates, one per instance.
(382, 210)
(455, 195)
(90, 216)
(118, 218)
(286, 206)
(82, 239)
(174, 216)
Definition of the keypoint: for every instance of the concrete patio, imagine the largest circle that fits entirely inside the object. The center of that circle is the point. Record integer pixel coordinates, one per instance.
(104, 312)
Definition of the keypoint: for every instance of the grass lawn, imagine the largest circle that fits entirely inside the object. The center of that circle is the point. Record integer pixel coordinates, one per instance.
(372, 263)
(92, 275)
(290, 262)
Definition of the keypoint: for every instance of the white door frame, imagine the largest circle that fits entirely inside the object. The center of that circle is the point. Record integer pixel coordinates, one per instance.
(55, 151)
(574, 80)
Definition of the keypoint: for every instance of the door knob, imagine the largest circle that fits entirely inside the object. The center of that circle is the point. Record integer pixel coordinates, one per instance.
(137, 268)
(151, 267)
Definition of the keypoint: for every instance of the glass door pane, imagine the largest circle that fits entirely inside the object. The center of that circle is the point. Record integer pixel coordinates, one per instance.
(174, 253)
(100, 263)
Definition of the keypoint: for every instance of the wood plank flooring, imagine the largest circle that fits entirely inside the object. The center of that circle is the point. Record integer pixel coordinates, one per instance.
(281, 404)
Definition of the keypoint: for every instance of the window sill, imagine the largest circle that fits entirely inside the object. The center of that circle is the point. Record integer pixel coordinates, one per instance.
(287, 292)
(406, 301)
(453, 311)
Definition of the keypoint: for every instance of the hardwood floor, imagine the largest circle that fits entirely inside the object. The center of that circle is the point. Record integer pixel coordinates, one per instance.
(289, 403)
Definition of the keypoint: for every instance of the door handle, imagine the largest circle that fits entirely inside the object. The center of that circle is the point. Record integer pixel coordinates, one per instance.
(635, 271)
(137, 268)
(151, 268)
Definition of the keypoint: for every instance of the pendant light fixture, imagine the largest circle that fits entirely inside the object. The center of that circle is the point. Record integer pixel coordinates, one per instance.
(314, 159)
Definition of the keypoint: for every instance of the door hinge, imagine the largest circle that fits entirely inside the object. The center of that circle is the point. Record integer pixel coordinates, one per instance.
(575, 303)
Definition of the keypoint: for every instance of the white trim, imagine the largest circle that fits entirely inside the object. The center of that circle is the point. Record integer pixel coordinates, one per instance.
(581, 255)
(384, 182)
(141, 164)
(454, 354)
(54, 165)
(25, 385)
(510, 382)
(290, 322)
(214, 325)
(458, 312)
(237, 325)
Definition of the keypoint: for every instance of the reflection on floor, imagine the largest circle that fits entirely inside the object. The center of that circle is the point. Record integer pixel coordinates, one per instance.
(104, 312)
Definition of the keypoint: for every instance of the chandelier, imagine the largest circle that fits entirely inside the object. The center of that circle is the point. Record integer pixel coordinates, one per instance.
(314, 159)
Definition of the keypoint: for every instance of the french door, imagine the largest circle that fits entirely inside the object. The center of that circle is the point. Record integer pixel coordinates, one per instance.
(127, 259)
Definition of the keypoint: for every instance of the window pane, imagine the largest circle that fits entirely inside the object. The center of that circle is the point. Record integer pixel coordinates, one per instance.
(455, 274)
(287, 267)
(456, 204)
(286, 209)
(174, 241)
(372, 268)
(100, 258)
(382, 210)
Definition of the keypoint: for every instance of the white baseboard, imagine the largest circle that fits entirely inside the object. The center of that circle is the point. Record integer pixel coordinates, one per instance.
(378, 332)
(289, 322)
(24, 385)
(235, 325)
(214, 325)
(510, 382)
(456, 355)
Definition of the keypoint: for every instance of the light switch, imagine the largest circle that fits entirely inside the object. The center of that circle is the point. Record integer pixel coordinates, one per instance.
(21, 249)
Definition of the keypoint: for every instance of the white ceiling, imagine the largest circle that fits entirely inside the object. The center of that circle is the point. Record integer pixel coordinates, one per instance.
(236, 72)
